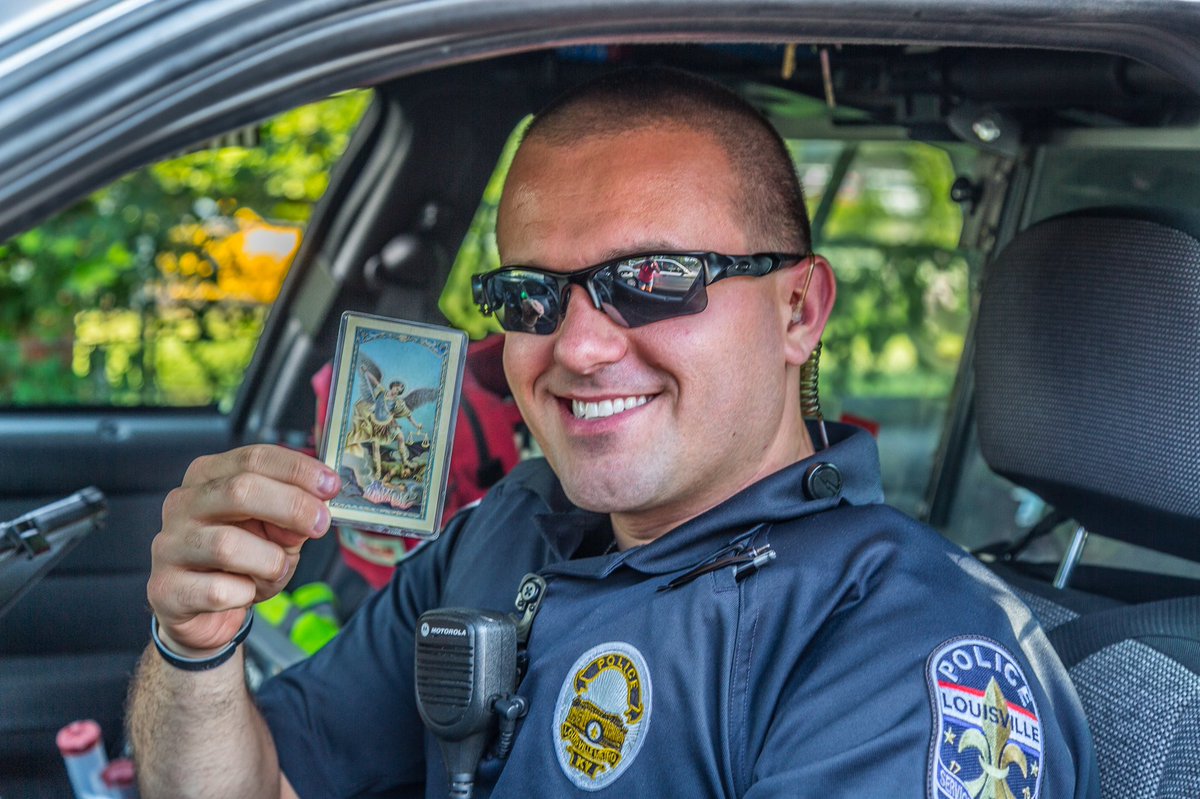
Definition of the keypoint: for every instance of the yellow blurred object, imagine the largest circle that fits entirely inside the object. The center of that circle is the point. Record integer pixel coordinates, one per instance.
(242, 258)
(252, 261)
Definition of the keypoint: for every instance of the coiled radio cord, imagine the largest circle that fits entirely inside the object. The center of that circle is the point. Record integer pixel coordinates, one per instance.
(810, 396)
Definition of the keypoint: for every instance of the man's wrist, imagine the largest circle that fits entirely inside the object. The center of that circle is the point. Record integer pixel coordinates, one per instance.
(202, 663)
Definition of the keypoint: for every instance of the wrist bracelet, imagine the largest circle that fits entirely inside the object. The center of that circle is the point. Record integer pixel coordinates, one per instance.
(200, 664)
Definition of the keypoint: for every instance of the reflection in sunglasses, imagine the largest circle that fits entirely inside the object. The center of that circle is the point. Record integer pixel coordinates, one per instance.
(632, 291)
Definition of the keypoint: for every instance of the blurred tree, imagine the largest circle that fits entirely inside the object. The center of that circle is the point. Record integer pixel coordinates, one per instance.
(153, 290)
(903, 300)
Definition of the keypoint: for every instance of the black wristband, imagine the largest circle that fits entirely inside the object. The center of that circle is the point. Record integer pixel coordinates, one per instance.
(200, 664)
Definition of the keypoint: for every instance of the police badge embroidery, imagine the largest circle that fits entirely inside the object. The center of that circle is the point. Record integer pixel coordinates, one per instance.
(987, 734)
(602, 715)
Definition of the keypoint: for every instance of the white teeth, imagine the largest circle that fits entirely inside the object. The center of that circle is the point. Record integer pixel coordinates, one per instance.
(606, 408)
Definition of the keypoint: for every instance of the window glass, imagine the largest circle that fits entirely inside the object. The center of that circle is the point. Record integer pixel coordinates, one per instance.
(883, 216)
(153, 291)
(988, 509)
(1093, 177)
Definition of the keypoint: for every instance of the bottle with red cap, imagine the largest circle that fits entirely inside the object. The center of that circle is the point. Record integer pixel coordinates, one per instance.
(92, 776)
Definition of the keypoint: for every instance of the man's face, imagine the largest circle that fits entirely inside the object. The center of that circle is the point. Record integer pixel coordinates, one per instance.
(704, 396)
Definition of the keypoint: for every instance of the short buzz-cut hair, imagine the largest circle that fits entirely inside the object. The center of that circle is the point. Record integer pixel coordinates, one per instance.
(770, 197)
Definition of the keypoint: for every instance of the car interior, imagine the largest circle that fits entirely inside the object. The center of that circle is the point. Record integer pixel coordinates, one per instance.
(1014, 227)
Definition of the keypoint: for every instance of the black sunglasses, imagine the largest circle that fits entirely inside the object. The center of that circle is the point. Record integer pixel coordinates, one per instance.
(633, 290)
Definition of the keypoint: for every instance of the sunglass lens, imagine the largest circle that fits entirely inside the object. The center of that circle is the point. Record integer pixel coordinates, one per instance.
(638, 291)
(525, 302)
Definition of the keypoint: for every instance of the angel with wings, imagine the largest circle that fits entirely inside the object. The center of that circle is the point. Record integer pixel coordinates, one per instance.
(379, 412)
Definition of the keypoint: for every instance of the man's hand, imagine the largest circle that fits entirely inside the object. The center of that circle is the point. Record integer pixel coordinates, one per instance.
(231, 536)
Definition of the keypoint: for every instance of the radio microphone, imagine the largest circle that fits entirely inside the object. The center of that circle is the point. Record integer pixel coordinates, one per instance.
(466, 673)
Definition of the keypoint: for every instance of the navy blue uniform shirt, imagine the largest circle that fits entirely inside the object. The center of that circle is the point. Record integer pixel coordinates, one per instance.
(870, 658)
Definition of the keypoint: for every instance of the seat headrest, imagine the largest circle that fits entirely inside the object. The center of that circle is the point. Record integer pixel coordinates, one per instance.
(1087, 372)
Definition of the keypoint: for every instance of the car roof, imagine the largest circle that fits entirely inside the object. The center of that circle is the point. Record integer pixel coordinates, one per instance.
(90, 90)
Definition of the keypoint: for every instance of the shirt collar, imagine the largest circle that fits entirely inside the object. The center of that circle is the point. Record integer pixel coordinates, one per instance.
(777, 497)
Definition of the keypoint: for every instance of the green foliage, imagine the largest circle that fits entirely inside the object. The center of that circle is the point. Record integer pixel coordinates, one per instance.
(151, 291)
(903, 306)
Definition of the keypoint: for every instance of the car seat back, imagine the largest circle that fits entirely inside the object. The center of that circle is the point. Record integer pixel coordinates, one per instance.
(1087, 376)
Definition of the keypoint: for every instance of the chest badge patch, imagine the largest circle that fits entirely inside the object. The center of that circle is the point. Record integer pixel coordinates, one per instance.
(602, 715)
(987, 734)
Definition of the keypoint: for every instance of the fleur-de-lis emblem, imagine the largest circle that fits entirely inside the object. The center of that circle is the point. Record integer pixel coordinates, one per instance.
(997, 754)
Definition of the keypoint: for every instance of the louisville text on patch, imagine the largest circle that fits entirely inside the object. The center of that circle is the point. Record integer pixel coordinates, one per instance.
(987, 734)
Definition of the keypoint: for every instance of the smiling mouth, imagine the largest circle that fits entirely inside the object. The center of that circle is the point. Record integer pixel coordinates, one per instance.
(605, 408)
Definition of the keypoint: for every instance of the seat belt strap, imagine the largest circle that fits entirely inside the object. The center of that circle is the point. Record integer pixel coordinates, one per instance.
(1076, 640)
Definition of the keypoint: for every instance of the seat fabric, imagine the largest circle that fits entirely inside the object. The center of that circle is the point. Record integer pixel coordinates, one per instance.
(1088, 394)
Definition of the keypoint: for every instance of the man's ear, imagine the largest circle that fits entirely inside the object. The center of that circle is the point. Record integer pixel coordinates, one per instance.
(811, 292)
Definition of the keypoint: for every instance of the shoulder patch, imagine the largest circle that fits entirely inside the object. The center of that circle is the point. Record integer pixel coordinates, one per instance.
(987, 733)
(602, 715)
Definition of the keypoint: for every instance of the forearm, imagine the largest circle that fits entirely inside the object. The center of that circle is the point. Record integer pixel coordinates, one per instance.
(198, 734)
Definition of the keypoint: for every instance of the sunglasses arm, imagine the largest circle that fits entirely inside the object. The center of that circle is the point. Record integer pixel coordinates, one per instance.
(479, 295)
(718, 267)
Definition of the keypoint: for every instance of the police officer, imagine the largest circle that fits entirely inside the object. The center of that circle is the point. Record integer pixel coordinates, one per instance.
(730, 612)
